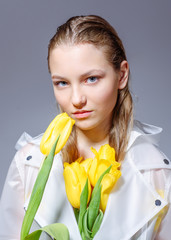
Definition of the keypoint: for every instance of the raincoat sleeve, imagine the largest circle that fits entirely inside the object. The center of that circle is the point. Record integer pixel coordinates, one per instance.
(164, 219)
(12, 201)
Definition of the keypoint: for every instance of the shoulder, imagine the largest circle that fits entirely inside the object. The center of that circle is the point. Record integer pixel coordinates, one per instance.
(148, 159)
(27, 159)
(28, 150)
(144, 147)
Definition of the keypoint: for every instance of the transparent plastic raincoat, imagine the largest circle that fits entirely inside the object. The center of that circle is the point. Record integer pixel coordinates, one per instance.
(138, 207)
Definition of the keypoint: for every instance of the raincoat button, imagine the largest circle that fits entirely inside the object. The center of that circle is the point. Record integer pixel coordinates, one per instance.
(28, 158)
(166, 161)
(158, 202)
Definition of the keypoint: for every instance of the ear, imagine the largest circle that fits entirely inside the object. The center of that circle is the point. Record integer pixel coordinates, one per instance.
(123, 74)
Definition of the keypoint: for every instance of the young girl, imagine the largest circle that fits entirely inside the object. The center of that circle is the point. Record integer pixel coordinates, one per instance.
(90, 76)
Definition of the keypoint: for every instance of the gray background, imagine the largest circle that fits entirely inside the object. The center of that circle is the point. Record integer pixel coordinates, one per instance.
(26, 96)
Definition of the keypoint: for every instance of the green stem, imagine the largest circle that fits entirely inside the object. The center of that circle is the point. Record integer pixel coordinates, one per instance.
(37, 192)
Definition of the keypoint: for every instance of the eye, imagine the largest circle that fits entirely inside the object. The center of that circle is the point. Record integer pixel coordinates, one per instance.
(92, 79)
(60, 83)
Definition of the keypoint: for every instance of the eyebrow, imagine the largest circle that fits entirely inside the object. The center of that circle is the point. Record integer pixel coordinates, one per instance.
(91, 72)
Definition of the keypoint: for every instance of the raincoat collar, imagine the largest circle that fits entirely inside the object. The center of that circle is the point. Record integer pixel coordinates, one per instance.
(142, 130)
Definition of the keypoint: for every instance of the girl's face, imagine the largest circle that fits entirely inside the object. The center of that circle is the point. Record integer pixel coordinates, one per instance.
(85, 84)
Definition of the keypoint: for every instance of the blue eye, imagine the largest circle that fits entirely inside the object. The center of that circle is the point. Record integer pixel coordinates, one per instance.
(61, 83)
(91, 79)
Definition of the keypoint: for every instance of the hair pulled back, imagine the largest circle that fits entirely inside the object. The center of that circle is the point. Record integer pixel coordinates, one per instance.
(97, 31)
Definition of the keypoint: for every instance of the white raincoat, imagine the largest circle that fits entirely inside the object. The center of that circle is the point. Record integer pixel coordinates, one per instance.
(138, 207)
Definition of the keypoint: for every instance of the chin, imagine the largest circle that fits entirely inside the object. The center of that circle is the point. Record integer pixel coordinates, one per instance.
(86, 126)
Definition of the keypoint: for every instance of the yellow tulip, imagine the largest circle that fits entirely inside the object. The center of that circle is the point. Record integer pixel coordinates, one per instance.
(103, 159)
(108, 183)
(61, 124)
(106, 152)
(75, 178)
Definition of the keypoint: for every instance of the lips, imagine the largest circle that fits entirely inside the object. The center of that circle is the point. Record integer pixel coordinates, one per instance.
(82, 114)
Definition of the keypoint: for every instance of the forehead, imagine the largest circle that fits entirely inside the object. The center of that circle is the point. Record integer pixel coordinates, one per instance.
(81, 55)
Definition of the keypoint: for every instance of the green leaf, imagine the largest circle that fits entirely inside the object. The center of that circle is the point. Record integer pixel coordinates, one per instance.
(57, 230)
(97, 223)
(94, 208)
(99, 181)
(37, 192)
(83, 205)
(94, 204)
(86, 232)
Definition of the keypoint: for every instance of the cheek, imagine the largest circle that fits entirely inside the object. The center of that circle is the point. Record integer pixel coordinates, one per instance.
(62, 100)
(106, 98)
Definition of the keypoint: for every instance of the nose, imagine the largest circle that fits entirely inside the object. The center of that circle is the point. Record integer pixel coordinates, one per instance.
(79, 99)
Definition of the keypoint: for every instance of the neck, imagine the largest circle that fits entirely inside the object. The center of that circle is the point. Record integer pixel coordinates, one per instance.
(91, 138)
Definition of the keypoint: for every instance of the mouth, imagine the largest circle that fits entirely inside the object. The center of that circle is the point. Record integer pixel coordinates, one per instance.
(82, 114)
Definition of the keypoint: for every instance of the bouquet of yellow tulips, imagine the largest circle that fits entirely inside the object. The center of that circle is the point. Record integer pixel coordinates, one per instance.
(87, 182)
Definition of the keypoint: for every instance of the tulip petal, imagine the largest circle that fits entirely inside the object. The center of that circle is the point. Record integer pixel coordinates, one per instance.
(102, 166)
(75, 178)
(92, 172)
(61, 124)
(95, 152)
(65, 133)
(107, 153)
(87, 164)
(108, 182)
(99, 181)
(72, 186)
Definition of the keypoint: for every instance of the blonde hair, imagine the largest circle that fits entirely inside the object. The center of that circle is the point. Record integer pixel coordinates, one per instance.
(97, 31)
